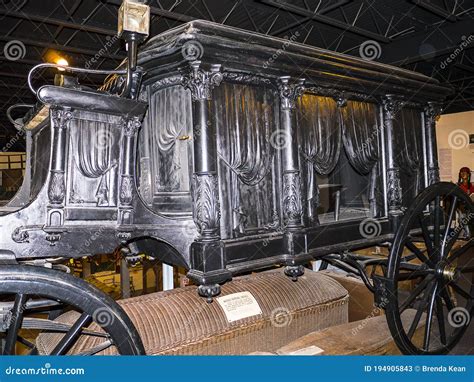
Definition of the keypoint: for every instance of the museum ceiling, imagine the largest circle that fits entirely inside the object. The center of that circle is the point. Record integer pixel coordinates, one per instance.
(434, 37)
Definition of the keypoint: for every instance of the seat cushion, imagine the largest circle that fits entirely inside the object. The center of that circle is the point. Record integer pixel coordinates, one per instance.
(181, 322)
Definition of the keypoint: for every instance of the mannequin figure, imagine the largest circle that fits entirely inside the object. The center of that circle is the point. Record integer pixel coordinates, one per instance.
(465, 180)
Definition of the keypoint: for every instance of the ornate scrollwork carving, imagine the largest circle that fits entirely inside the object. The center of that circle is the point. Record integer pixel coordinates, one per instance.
(20, 235)
(167, 82)
(57, 187)
(391, 107)
(61, 118)
(246, 78)
(433, 175)
(206, 204)
(341, 100)
(292, 208)
(289, 92)
(433, 111)
(131, 127)
(394, 189)
(201, 82)
(126, 190)
(337, 94)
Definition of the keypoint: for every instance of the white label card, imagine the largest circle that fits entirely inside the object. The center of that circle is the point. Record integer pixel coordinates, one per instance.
(240, 305)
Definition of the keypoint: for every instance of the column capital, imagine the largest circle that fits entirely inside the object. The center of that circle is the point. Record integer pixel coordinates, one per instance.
(391, 106)
(433, 111)
(200, 81)
(290, 91)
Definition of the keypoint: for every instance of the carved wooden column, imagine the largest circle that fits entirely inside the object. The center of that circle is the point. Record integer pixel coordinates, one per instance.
(207, 256)
(432, 112)
(130, 129)
(60, 119)
(391, 107)
(289, 91)
(292, 207)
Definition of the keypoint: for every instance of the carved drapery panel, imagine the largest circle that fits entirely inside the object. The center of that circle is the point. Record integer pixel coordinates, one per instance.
(408, 139)
(206, 211)
(361, 139)
(318, 125)
(244, 119)
(95, 146)
(165, 149)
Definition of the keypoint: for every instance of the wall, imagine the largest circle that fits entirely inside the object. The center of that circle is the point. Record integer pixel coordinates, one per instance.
(454, 151)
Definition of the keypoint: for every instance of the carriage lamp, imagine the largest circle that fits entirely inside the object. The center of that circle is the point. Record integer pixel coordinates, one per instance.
(133, 20)
(133, 27)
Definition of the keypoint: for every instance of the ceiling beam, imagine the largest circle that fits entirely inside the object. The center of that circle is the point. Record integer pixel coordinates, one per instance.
(58, 22)
(160, 12)
(438, 11)
(63, 48)
(329, 8)
(406, 50)
(326, 20)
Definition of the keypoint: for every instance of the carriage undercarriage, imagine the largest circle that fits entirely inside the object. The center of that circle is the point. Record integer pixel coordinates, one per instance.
(190, 192)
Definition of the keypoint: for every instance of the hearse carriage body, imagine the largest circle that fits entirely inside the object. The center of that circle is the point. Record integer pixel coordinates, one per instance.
(233, 153)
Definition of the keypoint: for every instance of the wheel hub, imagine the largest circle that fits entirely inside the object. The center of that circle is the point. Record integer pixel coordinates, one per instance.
(448, 272)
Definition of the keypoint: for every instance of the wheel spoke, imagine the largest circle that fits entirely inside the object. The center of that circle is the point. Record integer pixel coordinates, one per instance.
(15, 324)
(25, 342)
(429, 319)
(437, 223)
(426, 234)
(71, 336)
(466, 269)
(452, 211)
(97, 349)
(461, 291)
(460, 251)
(419, 313)
(414, 274)
(440, 319)
(447, 298)
(418, 289)
(417, 251)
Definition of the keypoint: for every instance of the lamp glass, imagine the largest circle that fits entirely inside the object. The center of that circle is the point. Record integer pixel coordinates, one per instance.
(133, 18)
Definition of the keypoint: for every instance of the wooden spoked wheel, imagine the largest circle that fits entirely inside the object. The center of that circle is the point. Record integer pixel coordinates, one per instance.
(33, 297)
(438, 285)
